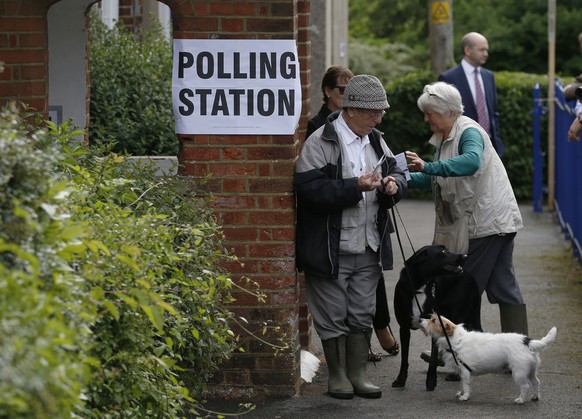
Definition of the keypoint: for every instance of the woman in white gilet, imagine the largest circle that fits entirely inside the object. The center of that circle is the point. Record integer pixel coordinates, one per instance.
(476, 209)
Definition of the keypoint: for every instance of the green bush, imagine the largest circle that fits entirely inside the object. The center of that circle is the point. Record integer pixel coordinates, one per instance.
(43, 369)
(110, 291)
(386, 60)
(131, 97)
(405, 129)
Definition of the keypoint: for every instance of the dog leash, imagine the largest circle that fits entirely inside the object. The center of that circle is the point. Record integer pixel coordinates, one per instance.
(455, 356)
(402, 249)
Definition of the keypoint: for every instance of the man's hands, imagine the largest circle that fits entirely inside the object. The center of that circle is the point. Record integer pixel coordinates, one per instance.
(389, 185)
(369, 182)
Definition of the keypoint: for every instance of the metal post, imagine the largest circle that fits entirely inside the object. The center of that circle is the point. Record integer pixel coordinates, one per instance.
(551, 99)
(538, 164)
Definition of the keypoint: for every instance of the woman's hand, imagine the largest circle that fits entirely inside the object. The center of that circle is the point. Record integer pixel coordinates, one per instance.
(416, 163)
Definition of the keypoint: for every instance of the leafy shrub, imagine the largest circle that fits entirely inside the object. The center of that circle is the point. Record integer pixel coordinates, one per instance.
(42, 366)
(384, 59)
(131, 97)
(405, 128)
(517, 31)
(110, 292)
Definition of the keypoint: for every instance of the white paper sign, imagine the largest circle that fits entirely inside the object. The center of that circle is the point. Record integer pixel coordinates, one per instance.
(236, 86)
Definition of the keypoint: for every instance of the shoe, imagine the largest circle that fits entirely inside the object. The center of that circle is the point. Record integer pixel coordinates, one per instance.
(374, 357)
(394, 349)
(425, 356)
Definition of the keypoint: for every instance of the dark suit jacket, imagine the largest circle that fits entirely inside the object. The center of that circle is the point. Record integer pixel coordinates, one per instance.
(456, 76)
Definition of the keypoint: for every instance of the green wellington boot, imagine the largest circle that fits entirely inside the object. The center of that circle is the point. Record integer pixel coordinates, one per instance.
(338, 385)
(357, 360)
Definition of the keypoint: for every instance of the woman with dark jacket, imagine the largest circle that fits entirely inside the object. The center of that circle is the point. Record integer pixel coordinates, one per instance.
(333, 85)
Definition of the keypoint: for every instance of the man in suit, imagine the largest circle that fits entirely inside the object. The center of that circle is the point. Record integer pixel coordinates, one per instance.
(471, 79)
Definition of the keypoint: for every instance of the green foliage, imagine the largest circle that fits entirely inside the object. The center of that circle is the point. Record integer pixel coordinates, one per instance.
(42, 367)
(518, 34)
(515, 95)
(516, 31)
(131, 97)
(387, 61)
(405, 128)
(401, 22)
(110, 294)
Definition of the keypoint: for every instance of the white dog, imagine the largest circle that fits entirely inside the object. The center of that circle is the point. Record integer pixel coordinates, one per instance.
(480, 353)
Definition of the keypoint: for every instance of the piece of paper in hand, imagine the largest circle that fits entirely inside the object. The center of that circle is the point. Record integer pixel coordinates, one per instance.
(379, 164)
(401, 162)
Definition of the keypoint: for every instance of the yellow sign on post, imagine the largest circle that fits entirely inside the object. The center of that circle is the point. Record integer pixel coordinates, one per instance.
(440, 12)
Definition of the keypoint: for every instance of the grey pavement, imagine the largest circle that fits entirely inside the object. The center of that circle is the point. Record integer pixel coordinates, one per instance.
(551, 283)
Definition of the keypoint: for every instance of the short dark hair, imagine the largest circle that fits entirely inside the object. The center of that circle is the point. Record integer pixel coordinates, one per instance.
(331, 75)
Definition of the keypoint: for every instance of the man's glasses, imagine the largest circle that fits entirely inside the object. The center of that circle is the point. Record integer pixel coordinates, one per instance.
(341, 89)
(373, 114)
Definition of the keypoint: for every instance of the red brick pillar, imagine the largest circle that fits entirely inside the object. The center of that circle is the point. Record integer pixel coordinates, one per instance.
(131, 13)
(24, 51)
(252, 183)
(304, 46)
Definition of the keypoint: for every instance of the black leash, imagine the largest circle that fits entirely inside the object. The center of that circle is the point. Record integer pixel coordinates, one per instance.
(402, 250)
(455, 357)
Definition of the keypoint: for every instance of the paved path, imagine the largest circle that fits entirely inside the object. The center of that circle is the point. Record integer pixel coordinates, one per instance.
(551, 282)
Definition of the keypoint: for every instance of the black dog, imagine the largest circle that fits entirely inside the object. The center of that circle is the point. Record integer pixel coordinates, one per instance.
(437, 279)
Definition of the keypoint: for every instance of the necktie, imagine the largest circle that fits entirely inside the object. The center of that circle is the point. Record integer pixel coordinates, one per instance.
(481, 105)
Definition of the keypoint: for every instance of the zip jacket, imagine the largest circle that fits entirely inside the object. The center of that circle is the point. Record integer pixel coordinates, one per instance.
(325, 198)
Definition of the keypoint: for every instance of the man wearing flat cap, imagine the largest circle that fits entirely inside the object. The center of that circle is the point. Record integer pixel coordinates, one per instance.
(346, 179)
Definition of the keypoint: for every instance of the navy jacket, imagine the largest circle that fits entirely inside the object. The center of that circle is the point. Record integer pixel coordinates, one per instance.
(456, 76)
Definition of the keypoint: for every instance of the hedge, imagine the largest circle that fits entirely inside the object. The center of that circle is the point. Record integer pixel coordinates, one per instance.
(112, 299)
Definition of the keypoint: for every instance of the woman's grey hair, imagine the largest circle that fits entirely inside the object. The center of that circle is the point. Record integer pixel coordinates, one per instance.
(441, 98)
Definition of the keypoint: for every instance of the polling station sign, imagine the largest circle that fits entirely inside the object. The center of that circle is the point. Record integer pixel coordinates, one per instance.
(236, 86)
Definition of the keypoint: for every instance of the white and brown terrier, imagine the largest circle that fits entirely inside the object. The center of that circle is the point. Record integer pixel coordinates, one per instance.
(481, 353)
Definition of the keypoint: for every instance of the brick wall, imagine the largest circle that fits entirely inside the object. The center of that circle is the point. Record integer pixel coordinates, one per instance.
(130, 13)
(23, 49)
(252, 182)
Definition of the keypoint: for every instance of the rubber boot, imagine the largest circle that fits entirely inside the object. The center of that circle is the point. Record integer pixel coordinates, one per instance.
(338, 385)
(357, 360)
(513, 318)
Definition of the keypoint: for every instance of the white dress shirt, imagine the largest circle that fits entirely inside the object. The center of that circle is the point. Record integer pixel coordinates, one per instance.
(470, 75)
(355, 146)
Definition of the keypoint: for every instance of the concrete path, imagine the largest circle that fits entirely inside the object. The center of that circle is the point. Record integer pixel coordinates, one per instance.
(551, 282)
